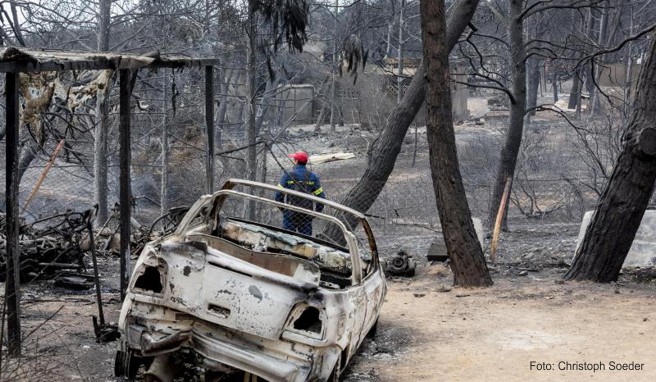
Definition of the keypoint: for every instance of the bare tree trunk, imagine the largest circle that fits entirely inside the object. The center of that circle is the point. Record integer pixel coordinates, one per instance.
(508, 160)
(270, 93)
(223, 106)
(16, 23)
(577, 82)
(595, 104)
(332, 104)
(533, 82)
(102, 117)
(576, 90)
(322, 99)
(579, 101)
(240, 115)
(222, 89)
(589, 84)
(622, 204)
(543, 78)
(467, 260)
(629, 70)
(383, 152)
(104, 13)
(388, 48)
(332, 88)
(100, 151)
(164, 184)
(27, 154)
(555, 86)
(251, 135)
(322, 115)
(399, 78)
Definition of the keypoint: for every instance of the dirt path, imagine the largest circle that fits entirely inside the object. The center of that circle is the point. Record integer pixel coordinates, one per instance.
(500, 332)
(428, 331)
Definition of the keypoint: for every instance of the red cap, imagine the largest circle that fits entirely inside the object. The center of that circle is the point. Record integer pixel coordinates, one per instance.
(300, 156)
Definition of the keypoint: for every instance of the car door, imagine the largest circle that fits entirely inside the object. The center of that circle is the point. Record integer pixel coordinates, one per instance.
(373, 286)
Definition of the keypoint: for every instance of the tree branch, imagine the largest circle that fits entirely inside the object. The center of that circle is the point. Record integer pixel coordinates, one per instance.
(536, 8)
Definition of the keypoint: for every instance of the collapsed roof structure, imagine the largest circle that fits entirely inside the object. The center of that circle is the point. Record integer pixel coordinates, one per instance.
(14, 61)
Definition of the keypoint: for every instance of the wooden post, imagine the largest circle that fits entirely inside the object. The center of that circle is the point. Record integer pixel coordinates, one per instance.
(12, 283)
(209, 123)
(499, 220)
(124, 189)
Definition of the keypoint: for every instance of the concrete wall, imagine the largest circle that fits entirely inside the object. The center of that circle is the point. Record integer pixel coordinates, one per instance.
(615, 75)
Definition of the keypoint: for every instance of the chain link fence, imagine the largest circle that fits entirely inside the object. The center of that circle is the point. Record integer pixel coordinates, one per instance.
(554, 180)
(551, 180)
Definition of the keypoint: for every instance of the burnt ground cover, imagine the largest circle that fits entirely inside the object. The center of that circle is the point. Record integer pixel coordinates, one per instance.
(428, 329)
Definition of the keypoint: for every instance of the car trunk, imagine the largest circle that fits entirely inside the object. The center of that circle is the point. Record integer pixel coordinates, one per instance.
(234, 292)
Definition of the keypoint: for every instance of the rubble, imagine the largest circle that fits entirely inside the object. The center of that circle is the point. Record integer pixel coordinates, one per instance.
(54, 247)
(48, 246)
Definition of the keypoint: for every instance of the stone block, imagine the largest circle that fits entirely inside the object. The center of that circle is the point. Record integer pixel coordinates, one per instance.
(643, 249)
(437, 250)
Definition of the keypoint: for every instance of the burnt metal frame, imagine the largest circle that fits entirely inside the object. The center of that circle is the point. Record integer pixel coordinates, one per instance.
(38, 61)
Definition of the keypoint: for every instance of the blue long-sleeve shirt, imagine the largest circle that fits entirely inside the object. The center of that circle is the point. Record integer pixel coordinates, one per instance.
(301, 179)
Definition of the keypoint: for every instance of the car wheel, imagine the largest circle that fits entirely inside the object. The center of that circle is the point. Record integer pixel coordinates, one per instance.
(118, 364)
(372, 332)
(126, 364)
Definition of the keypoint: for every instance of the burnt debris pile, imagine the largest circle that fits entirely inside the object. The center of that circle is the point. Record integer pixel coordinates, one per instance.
(48, 246)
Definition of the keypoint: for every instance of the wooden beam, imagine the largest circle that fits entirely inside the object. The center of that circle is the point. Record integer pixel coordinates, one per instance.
(209, 123)
(12, 283)
(125, 197)
(28, 60)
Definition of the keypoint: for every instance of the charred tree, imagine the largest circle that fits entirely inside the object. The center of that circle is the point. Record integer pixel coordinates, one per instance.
(508, 160)
(166, 152)
(576, 90)
(251, 134)
(384, 150)
(595, 103)
(467, 260)
(533, 84)
(622, 204)
(555, 85)
(102, 117)
(578, 76)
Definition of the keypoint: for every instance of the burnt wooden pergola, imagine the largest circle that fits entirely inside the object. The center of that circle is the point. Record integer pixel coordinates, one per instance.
(14, 61)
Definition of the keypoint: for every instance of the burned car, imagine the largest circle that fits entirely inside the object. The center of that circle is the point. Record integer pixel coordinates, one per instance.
(232, 294)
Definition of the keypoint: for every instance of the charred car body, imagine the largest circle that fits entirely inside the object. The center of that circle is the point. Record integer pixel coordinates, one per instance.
(250, 299)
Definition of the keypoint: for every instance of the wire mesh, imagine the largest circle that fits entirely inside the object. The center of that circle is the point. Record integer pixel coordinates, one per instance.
(549, 179)
(554, 178)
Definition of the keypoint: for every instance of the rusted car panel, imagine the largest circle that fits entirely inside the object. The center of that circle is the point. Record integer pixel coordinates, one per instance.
(251, 298)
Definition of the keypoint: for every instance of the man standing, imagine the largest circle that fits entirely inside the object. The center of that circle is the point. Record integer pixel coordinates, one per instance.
(299, 179)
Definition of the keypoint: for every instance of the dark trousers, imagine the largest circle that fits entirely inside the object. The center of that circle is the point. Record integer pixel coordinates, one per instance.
(297, 222)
